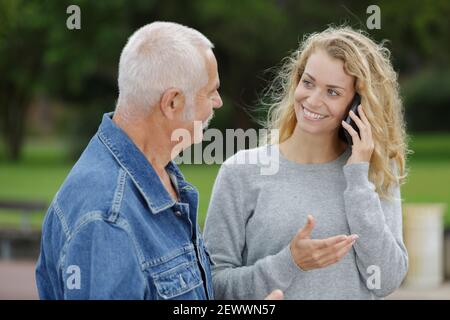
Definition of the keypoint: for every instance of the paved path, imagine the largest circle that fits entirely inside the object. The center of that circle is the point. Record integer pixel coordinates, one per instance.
(17, 281)
(440, 293)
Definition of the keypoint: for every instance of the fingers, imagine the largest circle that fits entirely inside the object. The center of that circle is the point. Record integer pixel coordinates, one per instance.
(365, 128)
(334, 253)
(368, 127)
(305, 232)
(330, 251)
(363, 117)
(358, 121)
(344, 249)
(337, 256)
(275, 295)
(329, 242)
(351, 131)
(361, 125)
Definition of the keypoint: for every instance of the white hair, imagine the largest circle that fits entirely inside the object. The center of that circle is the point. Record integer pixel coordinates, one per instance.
(159, 56)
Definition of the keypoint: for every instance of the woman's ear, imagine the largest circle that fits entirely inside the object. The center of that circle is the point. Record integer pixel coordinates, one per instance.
(172, 103)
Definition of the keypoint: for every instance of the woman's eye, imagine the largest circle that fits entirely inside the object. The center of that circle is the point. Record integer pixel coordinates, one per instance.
(307, 83)
(332, 92)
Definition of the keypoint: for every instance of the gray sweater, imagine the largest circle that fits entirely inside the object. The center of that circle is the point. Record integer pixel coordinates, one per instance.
(253, 217)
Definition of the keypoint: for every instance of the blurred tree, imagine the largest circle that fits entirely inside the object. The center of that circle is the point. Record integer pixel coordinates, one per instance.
(79, 67)
(21, 51)
(418, 33)
(250, 37)
(427, 101)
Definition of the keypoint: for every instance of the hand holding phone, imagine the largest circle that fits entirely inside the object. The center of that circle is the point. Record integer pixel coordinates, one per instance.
(353, 107)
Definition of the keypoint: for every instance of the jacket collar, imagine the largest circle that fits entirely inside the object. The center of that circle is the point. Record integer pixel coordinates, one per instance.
(133, 161)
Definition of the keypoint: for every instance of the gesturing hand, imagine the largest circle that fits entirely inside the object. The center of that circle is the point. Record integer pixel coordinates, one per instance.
(311, 254)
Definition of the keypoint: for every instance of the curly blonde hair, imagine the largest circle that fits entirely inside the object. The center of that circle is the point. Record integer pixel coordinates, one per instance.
(376, 82)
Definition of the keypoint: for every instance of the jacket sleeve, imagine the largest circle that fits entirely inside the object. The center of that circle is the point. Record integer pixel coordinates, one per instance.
(100, 263)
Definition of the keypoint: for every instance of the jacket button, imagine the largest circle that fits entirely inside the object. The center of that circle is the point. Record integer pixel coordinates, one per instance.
(178, 213)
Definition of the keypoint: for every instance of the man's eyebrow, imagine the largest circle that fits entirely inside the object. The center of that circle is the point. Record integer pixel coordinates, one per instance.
(328, 85)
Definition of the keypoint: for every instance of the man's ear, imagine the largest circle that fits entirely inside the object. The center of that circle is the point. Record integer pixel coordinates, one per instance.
(172, 103)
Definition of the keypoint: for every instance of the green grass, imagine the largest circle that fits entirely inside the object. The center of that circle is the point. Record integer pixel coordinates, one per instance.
(431, 148)
(37, 176)
(43, 168)
(429, 182)
(202, 177)
(429, 171)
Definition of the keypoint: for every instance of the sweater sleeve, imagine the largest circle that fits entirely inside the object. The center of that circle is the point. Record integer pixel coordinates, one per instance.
(225, 239)
(380, 248)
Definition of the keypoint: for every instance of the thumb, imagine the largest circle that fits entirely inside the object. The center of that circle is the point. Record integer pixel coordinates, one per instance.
(305, 232)
(275, 295)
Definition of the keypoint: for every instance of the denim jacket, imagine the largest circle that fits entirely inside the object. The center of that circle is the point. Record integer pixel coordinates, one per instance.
(114, 232)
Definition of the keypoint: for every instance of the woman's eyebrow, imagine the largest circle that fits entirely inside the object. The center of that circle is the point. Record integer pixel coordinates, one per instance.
(328, 85)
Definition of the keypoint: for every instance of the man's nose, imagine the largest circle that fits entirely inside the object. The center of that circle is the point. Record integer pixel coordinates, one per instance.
(218, 102)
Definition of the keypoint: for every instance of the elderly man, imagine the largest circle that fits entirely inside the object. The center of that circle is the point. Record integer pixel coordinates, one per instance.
(124, 223)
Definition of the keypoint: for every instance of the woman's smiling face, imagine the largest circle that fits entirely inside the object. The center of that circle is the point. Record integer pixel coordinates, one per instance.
(323, 94)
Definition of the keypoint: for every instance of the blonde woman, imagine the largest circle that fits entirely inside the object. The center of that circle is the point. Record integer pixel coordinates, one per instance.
(328, 224)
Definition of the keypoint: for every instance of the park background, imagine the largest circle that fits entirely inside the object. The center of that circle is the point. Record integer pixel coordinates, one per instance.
(56, 83)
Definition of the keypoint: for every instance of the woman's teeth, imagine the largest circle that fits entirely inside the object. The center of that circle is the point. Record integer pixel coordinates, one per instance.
(312, 115)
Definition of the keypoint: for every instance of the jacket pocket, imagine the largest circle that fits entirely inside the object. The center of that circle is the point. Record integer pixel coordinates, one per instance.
(176, 275)
(177, 281)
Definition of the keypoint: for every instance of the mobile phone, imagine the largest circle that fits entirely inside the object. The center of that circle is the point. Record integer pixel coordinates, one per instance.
(356, 101)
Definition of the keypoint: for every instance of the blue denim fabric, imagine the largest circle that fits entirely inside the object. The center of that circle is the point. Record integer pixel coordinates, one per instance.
(113, 231)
